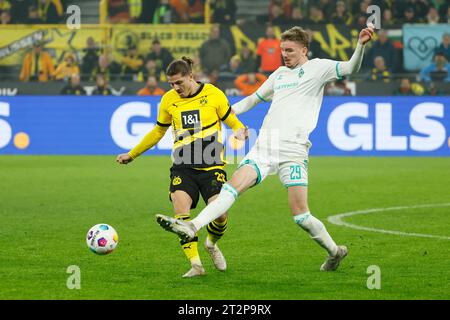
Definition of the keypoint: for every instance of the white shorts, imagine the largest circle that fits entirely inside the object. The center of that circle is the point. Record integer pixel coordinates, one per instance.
(291, 167)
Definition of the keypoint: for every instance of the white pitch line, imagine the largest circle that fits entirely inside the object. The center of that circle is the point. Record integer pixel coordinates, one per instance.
(337, 219)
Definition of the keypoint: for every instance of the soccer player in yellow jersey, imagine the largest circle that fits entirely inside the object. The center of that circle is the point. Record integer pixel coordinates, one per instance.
(195, 111)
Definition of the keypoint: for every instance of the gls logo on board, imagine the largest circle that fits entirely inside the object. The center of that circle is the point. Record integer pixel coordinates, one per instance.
(21, 140)
(128, 139)
(5, 128)
(432, 133)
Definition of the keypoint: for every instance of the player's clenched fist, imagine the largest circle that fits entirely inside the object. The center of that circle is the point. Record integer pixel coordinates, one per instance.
(366, 34)
(241, 134)
(124, 158)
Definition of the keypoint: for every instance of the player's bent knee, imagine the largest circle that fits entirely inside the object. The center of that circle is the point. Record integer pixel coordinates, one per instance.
(244, 178)
(181, 201)
(298, 200)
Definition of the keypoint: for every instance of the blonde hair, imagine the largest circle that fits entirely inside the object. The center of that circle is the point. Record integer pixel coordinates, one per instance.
(296, 34)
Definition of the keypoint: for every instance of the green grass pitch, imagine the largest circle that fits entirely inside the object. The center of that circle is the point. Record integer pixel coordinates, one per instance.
(48, 203)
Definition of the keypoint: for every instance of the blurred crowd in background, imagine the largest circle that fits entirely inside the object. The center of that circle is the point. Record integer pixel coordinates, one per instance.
(215, 60)
(349, 12)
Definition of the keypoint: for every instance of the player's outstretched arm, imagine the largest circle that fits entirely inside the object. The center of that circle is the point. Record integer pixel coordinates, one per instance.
(263, 94)
(151, 139)
(354, 64)
(246, 104)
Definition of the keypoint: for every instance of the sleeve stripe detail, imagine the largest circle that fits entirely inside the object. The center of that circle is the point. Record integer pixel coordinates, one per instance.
(337, 71)
(226, 114)
(197, 130)
(260, 97)
(211, 125)
(163, 124)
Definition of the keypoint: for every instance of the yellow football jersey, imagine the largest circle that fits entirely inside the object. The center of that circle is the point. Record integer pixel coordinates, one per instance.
(196, 127)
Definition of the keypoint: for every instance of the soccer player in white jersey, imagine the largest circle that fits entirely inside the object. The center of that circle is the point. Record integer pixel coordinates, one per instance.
(296, 92)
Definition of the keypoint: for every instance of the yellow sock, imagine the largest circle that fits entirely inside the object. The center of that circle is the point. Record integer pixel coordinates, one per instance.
(190, 248)
(216, 230)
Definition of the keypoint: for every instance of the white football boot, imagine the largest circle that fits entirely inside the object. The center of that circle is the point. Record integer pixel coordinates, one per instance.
(185, 230)
(332, 262)
(216, 255)
(196, 270)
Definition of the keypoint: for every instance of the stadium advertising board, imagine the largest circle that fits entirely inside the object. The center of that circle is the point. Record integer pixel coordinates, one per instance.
(348, 126)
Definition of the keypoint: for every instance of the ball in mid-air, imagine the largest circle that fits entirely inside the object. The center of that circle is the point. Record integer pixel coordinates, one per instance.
(102, 239)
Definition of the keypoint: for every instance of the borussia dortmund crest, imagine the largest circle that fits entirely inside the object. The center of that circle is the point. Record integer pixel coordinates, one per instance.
(176, 181)
(301, 72)
(203, 101)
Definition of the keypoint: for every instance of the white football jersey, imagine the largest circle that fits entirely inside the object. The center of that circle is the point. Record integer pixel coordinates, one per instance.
(296, 96)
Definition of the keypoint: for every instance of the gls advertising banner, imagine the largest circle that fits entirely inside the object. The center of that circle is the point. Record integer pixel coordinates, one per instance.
(363, 126)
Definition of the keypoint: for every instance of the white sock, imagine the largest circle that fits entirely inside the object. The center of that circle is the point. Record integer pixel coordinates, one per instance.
(215, 209)
(317, 231)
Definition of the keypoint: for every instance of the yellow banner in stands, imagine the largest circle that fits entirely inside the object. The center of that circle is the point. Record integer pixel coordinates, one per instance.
(17, 40)
(179, 39)
(336, 41)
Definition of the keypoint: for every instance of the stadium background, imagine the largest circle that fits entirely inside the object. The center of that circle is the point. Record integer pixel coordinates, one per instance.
(394, 111)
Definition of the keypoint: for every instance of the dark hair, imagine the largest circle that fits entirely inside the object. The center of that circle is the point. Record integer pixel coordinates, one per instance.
(183, 66)
(296, 34)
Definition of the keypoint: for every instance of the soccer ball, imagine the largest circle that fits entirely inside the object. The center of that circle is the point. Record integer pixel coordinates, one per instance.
(102, 239)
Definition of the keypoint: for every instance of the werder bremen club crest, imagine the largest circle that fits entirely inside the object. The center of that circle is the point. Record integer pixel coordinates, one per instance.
(301, 72)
